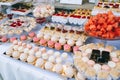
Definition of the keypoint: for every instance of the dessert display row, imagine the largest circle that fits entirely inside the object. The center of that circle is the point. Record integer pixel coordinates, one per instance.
(97, 62)
(60, 37)
(103, 7)
(22, 8)
(77, 17)
(42, 58)
(17, 26)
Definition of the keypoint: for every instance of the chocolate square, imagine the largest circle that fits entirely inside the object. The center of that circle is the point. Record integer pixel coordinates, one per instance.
(95, 54)
(106, 55)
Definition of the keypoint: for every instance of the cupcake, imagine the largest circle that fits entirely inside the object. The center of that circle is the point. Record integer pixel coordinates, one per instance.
(49, 66)
(15, 54)
(90, 74)
(26, 50)
(31, 35)
(50, 52)
(29, 46)
(62, 41)
(58, 46)
(40, 35)
(43, 42)
(64, 55)
(15, 47)
(4, 39)
(43, 50)
(75, 48)
(79, 43)
(51, 44)
(23, 37)
(31, 59)
(69, 72)
(36, 40)
(20, 49)
(9, 52)
(15, 42)
(102, 75)
(114, 74)
(59, 60)
(38, 54)
(36, 49)
(70, 42)
(54, 38)
(91, 63)
(40, 63)
(31, 52)
(58, 68)
(57, 54)
(105, 67)
(23, 57)
(67, 48)
(45, 56)
(51, 59)
(80, 76)
(13, 39)
(47, 37)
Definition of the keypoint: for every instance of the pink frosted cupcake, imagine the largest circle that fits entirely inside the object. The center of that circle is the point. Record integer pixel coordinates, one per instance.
(23, 37)
(4, 39)
(31, 35)
(51, 44)
(58, 46)
(67, 48)
(36, 40)
(43, 42)
(13, 39)
(75, 48)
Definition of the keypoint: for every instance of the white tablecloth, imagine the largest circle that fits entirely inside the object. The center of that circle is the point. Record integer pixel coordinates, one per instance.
(11, 69)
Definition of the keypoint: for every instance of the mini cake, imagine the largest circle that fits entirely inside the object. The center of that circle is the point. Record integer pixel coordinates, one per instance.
(31, 59)
(67, 48)
(12, 39)
(36, 40)
(23, 37)
(48, 66)
(40, 63)
(4, 39)
(43, 42)
(23, 57)
(51, 44)
(58, 46)
(31, 35)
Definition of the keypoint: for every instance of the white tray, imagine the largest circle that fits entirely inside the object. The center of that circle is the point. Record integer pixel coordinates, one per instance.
(10, 3)
(21, 13)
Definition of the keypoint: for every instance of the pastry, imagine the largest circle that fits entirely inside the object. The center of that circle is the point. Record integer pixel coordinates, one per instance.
(58, 46)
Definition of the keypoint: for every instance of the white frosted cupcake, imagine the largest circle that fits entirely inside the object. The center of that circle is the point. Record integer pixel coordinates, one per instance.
(31, 52)
(45, 56)
(26, 50)
(90, 74)
(69, 71)
(31, 59)
(50, 52)
(80, 76)
(58, 60)
(70, 42)
(38, 54)
(40, 63)
(103, 75)
(62, 41)
(58, 68)
(20, 49)
(64, 55)
(15, 54)
(9, 52)
(57, 54)
(23, 57)
(49, 66)
(115, 74)
(51, 59)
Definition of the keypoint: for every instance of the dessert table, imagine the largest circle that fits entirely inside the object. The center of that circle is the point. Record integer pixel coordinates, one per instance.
(11, 69)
